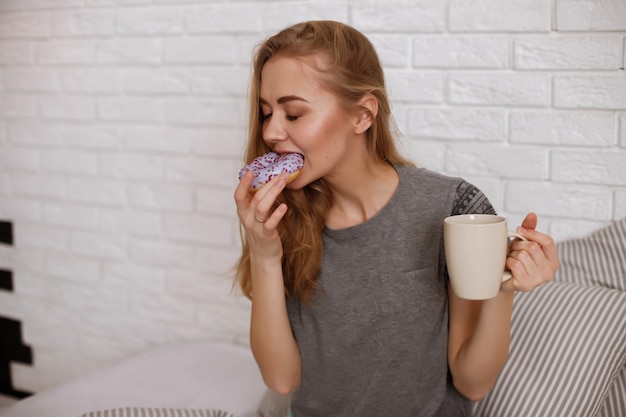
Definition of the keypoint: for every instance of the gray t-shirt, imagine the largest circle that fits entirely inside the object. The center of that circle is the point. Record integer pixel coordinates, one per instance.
(373, 339)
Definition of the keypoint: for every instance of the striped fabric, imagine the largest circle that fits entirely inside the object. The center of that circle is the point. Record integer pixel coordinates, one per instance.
(597, 259)
(568, 337)
(157, 412)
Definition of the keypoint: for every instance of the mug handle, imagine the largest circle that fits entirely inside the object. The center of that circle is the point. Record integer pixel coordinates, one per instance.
(506, 275)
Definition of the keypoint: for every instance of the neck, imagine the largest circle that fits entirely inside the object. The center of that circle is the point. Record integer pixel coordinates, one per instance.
(360, 193)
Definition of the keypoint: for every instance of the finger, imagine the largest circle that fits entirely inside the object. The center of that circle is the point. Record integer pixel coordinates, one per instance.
(272, 221)
(545, 242)
(243, 188)
(265, 198)
(530, 221)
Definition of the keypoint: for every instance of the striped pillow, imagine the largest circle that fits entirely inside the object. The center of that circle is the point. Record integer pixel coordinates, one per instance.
(568, 345)
(157, 412)
(597, 259)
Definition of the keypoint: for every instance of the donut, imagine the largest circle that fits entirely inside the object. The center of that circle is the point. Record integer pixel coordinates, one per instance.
(271, 165)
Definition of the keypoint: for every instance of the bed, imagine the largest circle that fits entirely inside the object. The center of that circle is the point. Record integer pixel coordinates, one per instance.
(568, 358)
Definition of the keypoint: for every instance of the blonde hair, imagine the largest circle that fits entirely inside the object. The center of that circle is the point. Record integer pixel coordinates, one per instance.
(353, 71)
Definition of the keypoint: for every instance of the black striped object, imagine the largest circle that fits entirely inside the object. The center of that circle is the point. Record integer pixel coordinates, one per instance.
(568, 337)
(157, 412)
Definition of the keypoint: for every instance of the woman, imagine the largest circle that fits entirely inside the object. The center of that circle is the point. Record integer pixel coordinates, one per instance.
(351, 307)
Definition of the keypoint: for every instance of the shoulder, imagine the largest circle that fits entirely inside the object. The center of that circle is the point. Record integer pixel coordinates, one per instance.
(425, 179)
(461, 195)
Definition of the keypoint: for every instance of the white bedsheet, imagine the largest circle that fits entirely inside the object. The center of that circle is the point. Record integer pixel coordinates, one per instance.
(201, 375)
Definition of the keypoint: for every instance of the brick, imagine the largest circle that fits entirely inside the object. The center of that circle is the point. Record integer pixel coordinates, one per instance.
(590, 15)
(104, 348)
(622, 131)
(221, 141)
(134, 223)
(597, 91)
(19, 159)
(194, 284)
(620, 205)
(151, 21)
(198, 229)
(217, 261)
(592, 129)
(216, 49)
(572, 228)
(132, 276)
(461, 52)
(95, 191)
(398, 16)
(292, 12)
(24, 25)
(93, 297)
(129, 51)
(99, 246)
(40, 237)
(506, 89)
(157, 81)
(219, 81)
(502, 161)
(161, 197)
(71, 215)
(202, 171)
(206, 111)
(602, 167)
(70, 135)
(131, 166)
(91, 80)
(458, 124)
(579, 52)
(230, 318)
(499, 16)
(565, 201)
(83, 23)
(415, 87)
(428, 153)
(20, 209)
(17, 107)
(393, 50)
(135, 109)
(161, 308)
(34, 185)
(17, 52)
(225, 18)
(73, 268)
(162, 253)
(30, 79)
(215, 201)
(67, 108)
(67, 52)
(69, 161)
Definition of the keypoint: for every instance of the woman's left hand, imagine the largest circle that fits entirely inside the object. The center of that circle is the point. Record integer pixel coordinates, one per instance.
(533, 262)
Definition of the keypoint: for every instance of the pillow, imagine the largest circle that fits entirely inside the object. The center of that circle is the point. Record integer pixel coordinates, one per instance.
(596, 259)
(157, 412)
(568, 344)
(615, 403)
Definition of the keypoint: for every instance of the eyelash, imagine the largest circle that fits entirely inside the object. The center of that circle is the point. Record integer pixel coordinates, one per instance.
(264, 117)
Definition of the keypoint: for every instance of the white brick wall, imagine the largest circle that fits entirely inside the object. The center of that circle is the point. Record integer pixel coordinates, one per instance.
(122, 124)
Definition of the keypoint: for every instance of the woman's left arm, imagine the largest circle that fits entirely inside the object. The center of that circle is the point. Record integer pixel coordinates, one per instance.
(479, 331)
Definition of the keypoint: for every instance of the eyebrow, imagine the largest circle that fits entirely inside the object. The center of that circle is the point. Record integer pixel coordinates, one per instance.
(285, 99)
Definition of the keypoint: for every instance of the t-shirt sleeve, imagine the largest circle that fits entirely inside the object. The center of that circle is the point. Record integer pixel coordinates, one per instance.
(470, 200)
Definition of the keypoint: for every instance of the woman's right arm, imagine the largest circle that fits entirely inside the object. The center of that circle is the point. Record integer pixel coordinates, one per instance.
(271, 339)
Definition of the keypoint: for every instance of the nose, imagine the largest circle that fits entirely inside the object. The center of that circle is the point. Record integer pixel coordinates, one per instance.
(273, 131)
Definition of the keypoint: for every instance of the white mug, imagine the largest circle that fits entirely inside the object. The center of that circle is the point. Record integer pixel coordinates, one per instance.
(476, 248)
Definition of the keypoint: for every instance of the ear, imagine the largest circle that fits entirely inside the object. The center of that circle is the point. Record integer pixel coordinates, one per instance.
(367, 109)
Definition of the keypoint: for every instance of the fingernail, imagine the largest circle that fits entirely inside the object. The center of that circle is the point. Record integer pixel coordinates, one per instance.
(521, 230)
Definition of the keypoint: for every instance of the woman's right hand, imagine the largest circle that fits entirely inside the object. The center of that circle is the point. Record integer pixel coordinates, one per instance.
(259, 221)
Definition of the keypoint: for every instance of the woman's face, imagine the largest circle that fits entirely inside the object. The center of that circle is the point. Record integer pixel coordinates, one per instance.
(300, 115)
